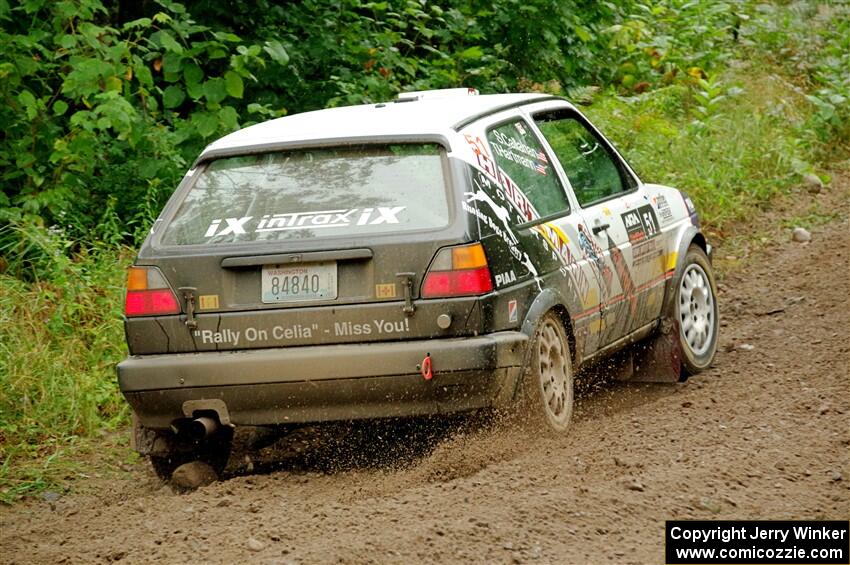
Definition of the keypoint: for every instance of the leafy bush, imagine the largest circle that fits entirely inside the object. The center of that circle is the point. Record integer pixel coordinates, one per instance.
(101, 119)
(810, 43)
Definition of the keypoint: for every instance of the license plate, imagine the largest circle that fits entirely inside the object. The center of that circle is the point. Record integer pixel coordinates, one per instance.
(295, 283)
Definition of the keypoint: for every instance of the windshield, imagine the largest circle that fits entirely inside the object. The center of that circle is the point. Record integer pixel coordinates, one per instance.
(313, 193)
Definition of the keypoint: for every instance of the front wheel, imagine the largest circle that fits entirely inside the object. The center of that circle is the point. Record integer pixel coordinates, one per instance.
(549, 391)
(696, 312)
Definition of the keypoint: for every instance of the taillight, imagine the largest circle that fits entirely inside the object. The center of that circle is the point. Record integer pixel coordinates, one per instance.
(148, 293)
(458, 271)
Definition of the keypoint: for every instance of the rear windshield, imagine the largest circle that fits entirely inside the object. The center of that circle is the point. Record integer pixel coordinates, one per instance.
(315, 193)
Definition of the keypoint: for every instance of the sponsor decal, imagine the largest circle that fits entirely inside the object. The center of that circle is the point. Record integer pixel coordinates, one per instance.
(503, 214)
(646, 251)
(234, 226)
(596, 254)
(342, 218)
(386, 290)
(502, 227)
(663, 206)
(208, 301)
(509, 188)
(513, 316)
(641, 224)
(505, 278)
(554, 238)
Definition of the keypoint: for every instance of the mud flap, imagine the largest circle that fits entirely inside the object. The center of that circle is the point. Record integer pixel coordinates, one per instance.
(659, 358)
(146, 441)
(155, 443)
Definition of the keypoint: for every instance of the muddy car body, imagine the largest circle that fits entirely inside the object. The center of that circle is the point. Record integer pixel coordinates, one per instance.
(418, 257)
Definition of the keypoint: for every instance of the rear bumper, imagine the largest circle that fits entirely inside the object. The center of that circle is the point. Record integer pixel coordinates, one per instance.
(325, 382)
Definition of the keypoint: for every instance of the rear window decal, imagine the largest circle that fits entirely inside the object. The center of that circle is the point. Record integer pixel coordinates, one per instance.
(341, 218)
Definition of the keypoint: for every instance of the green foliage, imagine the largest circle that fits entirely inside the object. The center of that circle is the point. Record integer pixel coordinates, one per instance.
(103, 115)
(691, 138)
(811, 44)
(656, 42)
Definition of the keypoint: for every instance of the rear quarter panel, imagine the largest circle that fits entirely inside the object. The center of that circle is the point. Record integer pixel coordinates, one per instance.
(523, 262)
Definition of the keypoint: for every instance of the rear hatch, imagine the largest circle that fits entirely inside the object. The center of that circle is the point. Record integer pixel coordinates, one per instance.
(307, 246)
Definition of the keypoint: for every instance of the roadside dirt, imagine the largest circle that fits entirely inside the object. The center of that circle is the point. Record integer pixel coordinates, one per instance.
(764, 434)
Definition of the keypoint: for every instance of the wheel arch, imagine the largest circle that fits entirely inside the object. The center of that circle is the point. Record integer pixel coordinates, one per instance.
(550, 300)
(699, 239)
(690, 235)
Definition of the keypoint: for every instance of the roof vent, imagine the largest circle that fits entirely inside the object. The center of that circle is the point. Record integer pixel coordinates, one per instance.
(436, 94)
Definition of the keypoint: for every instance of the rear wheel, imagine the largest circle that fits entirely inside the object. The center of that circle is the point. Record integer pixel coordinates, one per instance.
(214, 451)
(696, 312)
(549, 385)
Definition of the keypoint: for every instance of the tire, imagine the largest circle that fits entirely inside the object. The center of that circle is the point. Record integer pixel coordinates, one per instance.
(548, 387)
(215, 452)
(165, 465)
(696, 313)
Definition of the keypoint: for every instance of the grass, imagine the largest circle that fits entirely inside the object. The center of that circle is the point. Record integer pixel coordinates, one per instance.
(815, 217)
(752, 148)
(734, 140)
(60, 338)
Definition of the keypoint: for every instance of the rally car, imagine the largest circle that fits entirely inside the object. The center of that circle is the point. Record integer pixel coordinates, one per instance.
(444, 252)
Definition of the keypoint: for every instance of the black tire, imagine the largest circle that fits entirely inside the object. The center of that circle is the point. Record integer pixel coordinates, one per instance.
(548, 388)
(694, 309)
(214, 451)
(165, 465)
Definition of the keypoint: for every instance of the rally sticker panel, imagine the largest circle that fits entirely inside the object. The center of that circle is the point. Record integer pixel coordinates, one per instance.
(641, 224)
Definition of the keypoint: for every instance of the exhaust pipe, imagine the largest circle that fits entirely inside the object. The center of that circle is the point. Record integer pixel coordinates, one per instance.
(203, 427)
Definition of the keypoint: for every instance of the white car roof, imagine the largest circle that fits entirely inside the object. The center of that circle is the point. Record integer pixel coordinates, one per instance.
(425, 117)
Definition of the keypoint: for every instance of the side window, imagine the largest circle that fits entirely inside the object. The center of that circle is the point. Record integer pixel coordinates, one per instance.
(519, 154)
(593, 172)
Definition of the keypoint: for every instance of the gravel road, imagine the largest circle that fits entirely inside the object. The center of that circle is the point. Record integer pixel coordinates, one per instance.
(763, 434)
